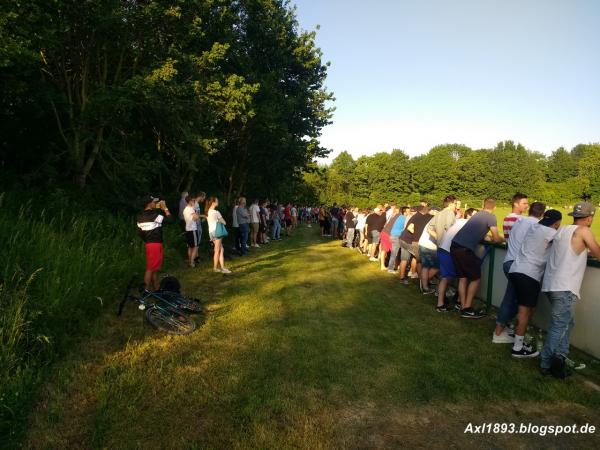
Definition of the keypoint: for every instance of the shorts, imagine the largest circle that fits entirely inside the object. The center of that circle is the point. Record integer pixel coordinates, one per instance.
(192, 238)
(374, 237)
(466, 263)
(447, 269)
(527, 288)
(386, 243)
(407, 250)
(255, 227)
(212, 237)
(154, 256)
(429, 258)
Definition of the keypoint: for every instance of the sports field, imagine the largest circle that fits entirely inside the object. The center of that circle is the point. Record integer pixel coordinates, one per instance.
(307, 346)
(503, 211)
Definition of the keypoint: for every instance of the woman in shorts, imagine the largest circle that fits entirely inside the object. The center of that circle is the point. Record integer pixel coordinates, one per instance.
(213, 216)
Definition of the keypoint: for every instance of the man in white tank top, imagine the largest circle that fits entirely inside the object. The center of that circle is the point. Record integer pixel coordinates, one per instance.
(562, 282)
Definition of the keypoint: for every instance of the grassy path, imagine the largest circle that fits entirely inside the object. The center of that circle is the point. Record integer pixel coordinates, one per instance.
(306, 346)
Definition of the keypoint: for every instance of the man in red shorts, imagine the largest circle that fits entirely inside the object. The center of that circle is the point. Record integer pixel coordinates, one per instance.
(149, 223)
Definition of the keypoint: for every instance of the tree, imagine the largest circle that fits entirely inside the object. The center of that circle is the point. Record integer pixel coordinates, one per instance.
(561, 166)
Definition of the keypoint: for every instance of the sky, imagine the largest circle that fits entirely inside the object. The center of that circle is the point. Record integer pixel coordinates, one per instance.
(414, 74)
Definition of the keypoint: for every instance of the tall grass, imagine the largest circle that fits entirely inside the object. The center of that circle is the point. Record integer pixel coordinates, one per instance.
(59, 267)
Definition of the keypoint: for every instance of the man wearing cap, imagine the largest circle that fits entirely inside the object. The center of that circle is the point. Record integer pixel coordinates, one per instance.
(562, 282)
(526, 274)
(149, 223)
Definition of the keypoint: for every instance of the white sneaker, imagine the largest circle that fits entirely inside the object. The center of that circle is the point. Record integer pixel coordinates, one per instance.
(372, 258)
(225, 271)
(217, 270)
(256, 245)
(502, 338)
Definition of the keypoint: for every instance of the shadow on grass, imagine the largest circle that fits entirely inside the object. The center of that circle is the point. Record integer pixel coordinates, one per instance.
(308, 347)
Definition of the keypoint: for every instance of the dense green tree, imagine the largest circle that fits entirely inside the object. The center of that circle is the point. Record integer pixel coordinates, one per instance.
(561, 166)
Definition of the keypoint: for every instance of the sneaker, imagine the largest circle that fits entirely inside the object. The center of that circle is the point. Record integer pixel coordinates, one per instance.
(502, 338)
(404, 281)
(225, 271)
(428, 291)
(217, 270)
(383, 268)
(527, 351)
(470, 313)
(574, 365)
(391, 271)
(372, 258)
(443, 308)
(410, 274)
(457, 306)
(256, 246)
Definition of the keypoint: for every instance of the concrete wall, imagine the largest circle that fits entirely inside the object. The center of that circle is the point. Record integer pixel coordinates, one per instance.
(586, 334)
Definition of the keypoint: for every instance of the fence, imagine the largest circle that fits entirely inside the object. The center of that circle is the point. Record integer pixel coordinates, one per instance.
(586, 334)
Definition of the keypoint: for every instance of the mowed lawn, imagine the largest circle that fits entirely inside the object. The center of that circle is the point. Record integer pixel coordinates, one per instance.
(307, 346)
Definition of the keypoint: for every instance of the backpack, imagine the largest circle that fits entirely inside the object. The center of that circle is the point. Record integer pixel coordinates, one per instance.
(171, 284)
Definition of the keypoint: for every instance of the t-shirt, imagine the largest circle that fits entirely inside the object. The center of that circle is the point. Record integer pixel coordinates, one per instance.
(287, 213)
(389, 224)
(449, 235)
(509, 222)
(533, 255)
(426, 240)
(398, 227)
(212, 218)
(361, 221)
(294, 212)
(254, 213)
(334, 211)
(349, 219)
(242, 215)
(182, 206)
(234, 222)
(376, 222)
(442, 223)
(149, 223)
(188, 216)
(388, 213)
(418, 222)
(475, 230)
(518, 232)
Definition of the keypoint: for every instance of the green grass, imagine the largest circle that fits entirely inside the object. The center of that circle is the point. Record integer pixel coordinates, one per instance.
(307, 345)
(60, 265)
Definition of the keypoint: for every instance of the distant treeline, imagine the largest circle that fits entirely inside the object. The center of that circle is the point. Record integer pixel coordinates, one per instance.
(125, 97)
(560, 178)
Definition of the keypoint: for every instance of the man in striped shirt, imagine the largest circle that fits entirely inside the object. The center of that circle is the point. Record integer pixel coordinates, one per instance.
(520, 204)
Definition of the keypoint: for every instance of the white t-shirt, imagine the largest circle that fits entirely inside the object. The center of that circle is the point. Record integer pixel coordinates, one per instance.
(212, 218)
(234, 221)
(294, 212)
(517, 234)
(254, 213)
(533, 255)
(188, 216)
(426, 240)
(449, 235)
(361, 222)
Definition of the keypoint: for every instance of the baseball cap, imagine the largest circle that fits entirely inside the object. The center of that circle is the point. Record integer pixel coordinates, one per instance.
(550, 217)
(583, 209)
(149, 199)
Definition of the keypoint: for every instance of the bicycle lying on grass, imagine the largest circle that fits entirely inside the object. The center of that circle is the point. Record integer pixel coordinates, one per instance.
(164, 310)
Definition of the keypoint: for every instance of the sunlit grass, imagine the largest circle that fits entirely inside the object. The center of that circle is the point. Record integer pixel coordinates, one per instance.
(306, 345)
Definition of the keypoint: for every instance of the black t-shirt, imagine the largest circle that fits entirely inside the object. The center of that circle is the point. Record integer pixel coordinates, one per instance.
(376, 222)
(334, 211)
(349, 219)
(419, 222)
(149, 225)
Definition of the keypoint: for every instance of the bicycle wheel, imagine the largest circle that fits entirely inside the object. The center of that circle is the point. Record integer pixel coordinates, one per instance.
(169, 321)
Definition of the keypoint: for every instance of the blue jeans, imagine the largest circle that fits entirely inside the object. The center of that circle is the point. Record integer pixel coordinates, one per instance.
(349, 237)
(394, 253)
(562, 321)
(276, 231)
(243, 238)
(238, 238)
(509, 306)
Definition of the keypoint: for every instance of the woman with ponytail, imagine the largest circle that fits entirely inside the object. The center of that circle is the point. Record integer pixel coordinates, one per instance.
(213, 217)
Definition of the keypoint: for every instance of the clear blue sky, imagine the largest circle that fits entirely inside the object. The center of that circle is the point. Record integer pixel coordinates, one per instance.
(414, 74)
